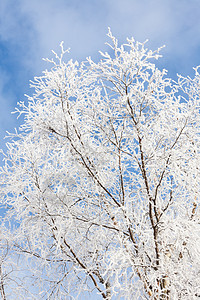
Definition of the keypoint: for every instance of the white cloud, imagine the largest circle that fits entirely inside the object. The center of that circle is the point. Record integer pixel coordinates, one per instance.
(81, 27)
(30, 29)
(83, 24)
(39, 26)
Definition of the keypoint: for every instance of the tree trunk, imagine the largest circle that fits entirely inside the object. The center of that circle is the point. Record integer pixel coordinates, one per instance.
(164, 283)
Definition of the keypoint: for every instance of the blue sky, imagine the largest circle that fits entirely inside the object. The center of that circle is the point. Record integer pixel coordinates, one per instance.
(30, 29)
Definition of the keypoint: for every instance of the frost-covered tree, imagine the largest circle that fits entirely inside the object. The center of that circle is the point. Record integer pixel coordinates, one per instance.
(102, 180)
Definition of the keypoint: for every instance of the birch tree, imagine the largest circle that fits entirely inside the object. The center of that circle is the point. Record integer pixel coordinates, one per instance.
(102, 179)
